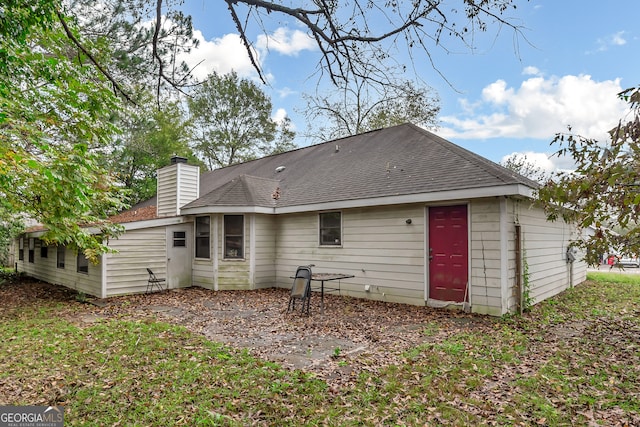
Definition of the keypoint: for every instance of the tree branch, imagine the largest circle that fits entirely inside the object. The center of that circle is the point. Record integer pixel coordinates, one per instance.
(116, 86)
(245, 41)
(156, 55)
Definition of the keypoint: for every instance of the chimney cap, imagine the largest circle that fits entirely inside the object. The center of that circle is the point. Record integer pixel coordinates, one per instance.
(178, 159)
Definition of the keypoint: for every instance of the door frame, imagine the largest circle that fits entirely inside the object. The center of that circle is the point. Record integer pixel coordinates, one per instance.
(426, 248)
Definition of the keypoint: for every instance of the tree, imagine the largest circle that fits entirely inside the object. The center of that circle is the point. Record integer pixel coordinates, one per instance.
(55, 110)
(231, 122)
(64, 72)
(520, 163)
(359, 108)
(149, 138)
(603, 191)
(143, 54)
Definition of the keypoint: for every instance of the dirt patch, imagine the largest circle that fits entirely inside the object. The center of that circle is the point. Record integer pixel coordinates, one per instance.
(352, 335)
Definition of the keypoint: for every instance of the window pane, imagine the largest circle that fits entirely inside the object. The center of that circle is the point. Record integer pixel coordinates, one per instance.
(233, 247)
(179, 239)
(83, 263)
(330, 219)
(32, 246)
(330, 228)
(233, 224)
(202, 236)
(233, 236)
(202, 248)
(60, 256)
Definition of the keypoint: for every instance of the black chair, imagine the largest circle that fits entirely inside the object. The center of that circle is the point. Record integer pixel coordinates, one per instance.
(154, 282)
(301, 290)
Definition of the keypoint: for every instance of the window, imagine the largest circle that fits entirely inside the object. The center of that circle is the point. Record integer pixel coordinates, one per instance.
(60, 257)
(44, 250)
(32, 248)
(83, 263)
(21, 250)
(179, 239)
(331, 229)
(233, 236)
(202, 236)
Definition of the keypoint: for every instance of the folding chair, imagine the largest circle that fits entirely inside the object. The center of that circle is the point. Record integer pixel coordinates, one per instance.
(301, 290)
(154, 282)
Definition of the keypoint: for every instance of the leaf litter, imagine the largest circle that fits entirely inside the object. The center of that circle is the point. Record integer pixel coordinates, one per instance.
(561, 364)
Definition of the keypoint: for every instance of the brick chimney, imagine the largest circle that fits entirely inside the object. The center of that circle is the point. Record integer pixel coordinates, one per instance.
(178, 184)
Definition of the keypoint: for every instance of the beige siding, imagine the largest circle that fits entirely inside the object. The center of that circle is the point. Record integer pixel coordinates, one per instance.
(486, 263)
(544, 251)
(167, 191)
(178, 185)
(379, 248)
(137, 251)
(45, 269)
(188, 183)
(265, 251)
(203, 273)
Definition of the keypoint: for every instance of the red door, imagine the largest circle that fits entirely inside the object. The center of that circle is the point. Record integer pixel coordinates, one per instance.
(448, 253)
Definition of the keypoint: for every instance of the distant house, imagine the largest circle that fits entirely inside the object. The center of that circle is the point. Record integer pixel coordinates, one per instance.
(415, 218)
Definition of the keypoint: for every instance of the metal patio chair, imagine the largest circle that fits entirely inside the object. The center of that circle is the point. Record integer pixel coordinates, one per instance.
(301, 290)
(154, 282)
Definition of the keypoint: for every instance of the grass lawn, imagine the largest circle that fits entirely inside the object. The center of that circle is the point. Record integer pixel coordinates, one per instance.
(573, 360)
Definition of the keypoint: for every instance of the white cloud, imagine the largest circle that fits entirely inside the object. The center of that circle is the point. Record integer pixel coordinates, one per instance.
(531, 71)
(497, 92)
(228, 53)
(539, 108)
(279, 115)
(286, 42)
(222, 55)
(286, 92)
(615, 39)
(618, 39)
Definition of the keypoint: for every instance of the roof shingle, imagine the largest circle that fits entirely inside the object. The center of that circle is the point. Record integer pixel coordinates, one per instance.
(399, 160)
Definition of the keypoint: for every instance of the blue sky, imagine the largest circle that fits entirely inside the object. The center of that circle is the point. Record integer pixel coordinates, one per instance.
(511, 95)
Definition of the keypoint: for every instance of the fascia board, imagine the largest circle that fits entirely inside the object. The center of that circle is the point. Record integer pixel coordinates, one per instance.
(158, 222)
(228, 209)
(438, 196)
(133, 225)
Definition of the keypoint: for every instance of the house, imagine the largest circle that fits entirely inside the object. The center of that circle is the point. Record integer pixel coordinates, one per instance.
(414, 218)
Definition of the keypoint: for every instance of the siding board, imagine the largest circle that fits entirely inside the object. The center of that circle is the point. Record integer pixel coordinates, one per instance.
(137, 251)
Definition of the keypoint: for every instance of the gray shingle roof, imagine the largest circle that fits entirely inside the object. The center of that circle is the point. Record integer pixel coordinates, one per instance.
(244, 190)
(396, 161)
